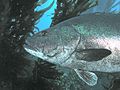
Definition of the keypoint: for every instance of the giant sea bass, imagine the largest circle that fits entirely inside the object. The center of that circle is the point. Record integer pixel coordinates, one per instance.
(85, 43)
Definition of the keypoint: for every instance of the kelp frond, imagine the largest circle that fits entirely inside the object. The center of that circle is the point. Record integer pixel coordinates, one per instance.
(39, 13)
(39, 3)
(70, 8)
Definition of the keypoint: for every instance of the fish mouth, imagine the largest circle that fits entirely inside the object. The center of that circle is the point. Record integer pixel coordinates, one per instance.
(34, 52)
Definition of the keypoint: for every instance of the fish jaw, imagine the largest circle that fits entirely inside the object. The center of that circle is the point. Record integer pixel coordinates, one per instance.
(58, 56)
(36, 53)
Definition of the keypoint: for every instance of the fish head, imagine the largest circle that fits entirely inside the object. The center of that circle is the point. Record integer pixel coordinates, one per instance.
(42, 45)
(54, 45)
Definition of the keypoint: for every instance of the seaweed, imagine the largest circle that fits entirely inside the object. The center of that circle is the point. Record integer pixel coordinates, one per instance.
(105, 6)
(15, 25)
(67, 9)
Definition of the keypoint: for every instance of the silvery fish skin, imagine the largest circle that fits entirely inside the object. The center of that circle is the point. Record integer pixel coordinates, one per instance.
(88, 42)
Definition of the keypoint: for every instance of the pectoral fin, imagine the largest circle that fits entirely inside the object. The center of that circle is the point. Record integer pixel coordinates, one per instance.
(89, 78)
(92, 54)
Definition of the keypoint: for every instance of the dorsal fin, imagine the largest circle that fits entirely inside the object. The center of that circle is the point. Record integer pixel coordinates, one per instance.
(92, 54)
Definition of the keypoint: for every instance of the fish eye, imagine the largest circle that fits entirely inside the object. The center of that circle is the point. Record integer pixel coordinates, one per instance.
(44, 33)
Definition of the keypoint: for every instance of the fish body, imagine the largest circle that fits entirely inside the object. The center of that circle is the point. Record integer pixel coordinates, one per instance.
(88, 42)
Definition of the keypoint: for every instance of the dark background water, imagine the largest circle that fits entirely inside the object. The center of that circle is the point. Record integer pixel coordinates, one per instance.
(22, 71)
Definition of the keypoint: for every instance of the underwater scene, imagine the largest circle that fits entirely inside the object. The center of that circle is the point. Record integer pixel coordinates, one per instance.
(59, 45)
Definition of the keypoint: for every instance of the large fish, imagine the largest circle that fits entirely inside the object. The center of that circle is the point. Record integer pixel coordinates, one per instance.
(85, 43)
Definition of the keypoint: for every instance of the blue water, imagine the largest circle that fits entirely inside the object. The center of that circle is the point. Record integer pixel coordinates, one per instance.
(45, 21)
(117, 6)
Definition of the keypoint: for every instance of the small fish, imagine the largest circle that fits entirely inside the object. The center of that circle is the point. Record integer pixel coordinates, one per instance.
(85, 43)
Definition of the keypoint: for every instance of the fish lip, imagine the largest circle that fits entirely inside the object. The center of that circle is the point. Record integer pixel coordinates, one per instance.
(35, 51)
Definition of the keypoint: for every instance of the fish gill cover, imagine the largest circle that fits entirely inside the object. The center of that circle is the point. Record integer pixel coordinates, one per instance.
(18, 71)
